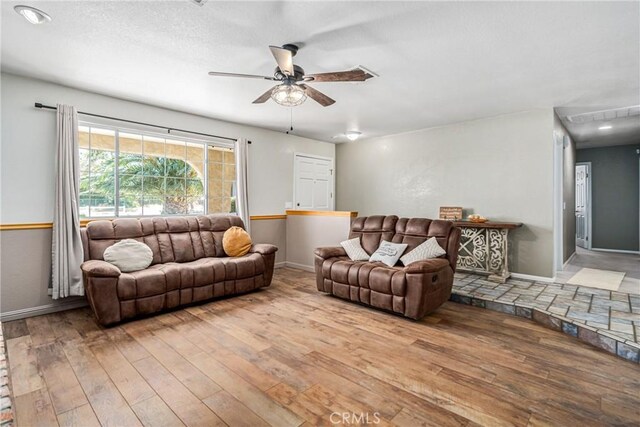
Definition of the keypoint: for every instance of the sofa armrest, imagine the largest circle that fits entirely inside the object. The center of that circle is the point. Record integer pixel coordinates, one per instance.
(426, 266)
(98, 268)
(330, 252)
(263, 249)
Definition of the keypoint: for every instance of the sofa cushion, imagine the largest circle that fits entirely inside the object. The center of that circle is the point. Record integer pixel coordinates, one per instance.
(212, 228)
(205, 271)
(243, 267)
(426, 250)
(236, 242)
(354, 249)
(388, 253)
(155, 280)
(372, 230)
(415, 231)
(129, 255)
(202, 272)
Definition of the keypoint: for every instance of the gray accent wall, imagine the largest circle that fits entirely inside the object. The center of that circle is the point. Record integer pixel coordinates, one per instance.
(615, 192)
(499, 167)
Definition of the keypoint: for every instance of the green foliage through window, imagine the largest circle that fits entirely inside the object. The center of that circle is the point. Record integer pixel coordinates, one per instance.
(168, 179)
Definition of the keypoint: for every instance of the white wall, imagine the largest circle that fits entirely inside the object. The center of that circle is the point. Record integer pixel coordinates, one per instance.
(28, 143)
(500, 167)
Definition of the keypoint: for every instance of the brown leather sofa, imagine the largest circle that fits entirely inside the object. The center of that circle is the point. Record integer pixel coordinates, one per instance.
(414, 290)
(189, 265)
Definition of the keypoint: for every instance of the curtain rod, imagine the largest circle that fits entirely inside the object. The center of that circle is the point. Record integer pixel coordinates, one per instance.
(48, 107)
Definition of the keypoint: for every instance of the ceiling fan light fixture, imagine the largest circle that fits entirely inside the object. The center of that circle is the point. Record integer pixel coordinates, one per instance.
(288, 95)
(32, 15)
(352, 135)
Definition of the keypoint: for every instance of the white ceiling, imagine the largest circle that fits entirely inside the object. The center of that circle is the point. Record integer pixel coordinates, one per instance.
(438, 62)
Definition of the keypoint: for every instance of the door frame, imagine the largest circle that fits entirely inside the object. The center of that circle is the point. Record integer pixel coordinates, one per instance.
(558, 200)
(589, 203)
(297, 154)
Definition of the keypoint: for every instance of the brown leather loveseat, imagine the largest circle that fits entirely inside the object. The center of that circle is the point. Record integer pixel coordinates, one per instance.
(189, 265)
(414, 290)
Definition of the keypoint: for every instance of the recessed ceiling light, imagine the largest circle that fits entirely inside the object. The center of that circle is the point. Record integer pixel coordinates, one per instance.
(352, 135)
(604, 127)
(33, 15)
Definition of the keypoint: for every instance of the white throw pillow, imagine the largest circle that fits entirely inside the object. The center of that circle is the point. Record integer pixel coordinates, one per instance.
(388, 252)
(354, 250)
(426, 250)
(129, 255)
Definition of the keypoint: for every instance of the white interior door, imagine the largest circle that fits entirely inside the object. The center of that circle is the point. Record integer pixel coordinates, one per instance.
(313, 183)
(582, 205)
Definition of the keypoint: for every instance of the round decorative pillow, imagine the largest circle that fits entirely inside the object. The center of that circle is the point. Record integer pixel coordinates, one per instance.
(129, 255)
(236, 242)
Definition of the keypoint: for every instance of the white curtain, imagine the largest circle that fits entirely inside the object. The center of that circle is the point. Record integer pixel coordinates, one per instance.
(242, 181)
(67, 254)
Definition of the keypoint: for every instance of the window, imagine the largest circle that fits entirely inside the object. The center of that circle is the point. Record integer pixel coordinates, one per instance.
(125, 173)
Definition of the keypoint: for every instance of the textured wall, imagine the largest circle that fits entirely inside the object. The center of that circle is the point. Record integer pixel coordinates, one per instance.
(500, 167)
(273, 231)
(614, 191)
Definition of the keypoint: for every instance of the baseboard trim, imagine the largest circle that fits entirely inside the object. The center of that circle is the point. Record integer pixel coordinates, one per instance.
(280, 264)
(300, 266)
(534, 278)
(41, 309)
(568, 260)
(616, 251)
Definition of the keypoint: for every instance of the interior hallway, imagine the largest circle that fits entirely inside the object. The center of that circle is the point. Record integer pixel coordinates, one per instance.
(627, 263)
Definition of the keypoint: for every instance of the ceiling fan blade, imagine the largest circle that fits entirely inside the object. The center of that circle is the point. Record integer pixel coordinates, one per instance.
(246, 76)
(284, 58)
(264, 97)
(317, 96)
(356, 75)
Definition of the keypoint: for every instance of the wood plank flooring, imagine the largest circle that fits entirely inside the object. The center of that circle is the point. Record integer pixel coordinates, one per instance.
(290, 356)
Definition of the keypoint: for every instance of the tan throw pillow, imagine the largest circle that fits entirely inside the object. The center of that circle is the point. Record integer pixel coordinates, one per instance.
(236, 242)
(129, 255)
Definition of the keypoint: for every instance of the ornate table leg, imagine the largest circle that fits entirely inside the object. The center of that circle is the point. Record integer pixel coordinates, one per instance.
(472, 254)
(498, 255)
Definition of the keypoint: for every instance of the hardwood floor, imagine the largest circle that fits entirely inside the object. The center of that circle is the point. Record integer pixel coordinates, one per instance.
(288, 355)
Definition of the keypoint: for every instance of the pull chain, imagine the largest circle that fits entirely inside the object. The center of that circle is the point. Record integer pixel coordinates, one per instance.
(290, 121)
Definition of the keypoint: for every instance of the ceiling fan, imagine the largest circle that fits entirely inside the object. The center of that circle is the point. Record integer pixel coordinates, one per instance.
(292, 88)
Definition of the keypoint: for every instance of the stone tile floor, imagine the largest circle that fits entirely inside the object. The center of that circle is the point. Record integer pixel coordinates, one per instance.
(576, 310)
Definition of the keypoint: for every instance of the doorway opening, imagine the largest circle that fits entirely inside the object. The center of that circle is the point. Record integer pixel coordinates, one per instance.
(313, 182)
(597, 193)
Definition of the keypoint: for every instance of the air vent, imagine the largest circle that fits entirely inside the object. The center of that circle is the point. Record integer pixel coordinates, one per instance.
(595, 116)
